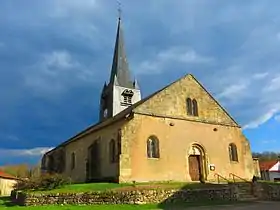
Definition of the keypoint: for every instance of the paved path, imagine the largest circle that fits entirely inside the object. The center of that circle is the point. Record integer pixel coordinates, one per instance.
(261, 205)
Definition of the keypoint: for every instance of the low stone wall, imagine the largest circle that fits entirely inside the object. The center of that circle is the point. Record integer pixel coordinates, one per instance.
(127, 197)
(267, 191)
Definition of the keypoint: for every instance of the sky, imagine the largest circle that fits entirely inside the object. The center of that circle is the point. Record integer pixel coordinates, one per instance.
(55, 56)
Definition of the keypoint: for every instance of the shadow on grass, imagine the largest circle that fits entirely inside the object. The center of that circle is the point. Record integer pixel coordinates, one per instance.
(198, 194)
(6, 201)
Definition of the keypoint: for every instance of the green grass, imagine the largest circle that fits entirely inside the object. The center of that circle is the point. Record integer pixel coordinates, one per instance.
(91, 187)
(85, 187)
(268, 182)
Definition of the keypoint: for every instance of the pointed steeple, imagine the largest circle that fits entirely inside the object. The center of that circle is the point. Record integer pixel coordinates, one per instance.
(120, 69)
(122, 91)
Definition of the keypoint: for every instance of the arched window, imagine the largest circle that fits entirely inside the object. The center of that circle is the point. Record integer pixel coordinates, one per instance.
(112, 151)
(189, 106)
(73, 160)
(194, 108)
(119, 142)
(153, 147)
(233, 156)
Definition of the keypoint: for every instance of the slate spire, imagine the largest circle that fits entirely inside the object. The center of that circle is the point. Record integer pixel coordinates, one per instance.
(120, 74)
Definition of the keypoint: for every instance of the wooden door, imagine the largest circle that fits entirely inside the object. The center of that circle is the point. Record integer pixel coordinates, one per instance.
(194, 167)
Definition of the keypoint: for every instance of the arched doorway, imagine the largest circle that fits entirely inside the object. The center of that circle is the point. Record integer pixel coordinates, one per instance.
(93, 165)
(196, 160)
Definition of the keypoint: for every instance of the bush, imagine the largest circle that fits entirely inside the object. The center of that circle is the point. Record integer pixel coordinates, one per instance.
(44, 182)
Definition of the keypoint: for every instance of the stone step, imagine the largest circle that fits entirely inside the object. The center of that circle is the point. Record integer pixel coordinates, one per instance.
(243, 184)
(248, 199)
(244, 187)
(216, 183)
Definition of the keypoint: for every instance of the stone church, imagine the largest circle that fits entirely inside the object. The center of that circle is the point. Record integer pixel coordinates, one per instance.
(179, 133)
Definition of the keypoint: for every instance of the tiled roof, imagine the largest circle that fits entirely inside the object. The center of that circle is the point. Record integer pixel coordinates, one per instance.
(6, 176)
(266, 165)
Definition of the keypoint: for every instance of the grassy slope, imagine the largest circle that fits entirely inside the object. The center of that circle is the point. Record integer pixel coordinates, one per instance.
(85, 187)
(76, 188)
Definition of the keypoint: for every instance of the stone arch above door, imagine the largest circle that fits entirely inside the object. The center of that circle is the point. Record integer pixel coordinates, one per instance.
(196, 149)
(197, 162)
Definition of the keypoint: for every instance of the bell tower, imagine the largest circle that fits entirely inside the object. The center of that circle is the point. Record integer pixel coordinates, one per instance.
(121, 92)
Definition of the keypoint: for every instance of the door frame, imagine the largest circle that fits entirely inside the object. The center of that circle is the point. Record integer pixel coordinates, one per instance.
(197, 149)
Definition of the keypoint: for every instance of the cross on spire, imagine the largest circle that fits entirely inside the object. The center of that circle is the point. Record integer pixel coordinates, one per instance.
(119, 9)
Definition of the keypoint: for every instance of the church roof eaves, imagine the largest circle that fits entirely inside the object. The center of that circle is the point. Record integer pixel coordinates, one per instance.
(107, 122)
(93, 128)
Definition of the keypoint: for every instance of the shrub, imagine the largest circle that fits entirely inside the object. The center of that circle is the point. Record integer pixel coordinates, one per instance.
(44, 182)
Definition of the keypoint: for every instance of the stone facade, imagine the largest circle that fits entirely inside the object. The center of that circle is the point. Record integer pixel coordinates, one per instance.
(164, 116)
(105, 169)
(175, 145)
(171, 103)
(157, 196)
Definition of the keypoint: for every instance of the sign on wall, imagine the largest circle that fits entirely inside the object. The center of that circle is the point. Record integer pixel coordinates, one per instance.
(212, 167)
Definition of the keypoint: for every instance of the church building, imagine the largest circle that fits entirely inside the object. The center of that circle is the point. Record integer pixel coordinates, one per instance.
(179, 133)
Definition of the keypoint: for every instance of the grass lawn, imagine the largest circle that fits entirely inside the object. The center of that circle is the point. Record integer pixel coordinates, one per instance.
(88, 187)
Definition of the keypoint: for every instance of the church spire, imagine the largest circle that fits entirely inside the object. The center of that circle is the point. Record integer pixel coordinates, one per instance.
(120, 69)
(122, 91)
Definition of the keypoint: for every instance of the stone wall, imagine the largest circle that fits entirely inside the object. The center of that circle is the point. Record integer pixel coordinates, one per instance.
(267, 191)
(159, 196)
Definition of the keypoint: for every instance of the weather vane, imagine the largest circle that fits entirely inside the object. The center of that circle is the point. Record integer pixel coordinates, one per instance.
(119, 9)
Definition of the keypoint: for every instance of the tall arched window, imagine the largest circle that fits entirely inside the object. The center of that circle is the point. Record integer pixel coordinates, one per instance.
(189, 106)
(112, 151)
(73, 160)
(233, 155)
(119, 143)
(153, 147)
(194, 108)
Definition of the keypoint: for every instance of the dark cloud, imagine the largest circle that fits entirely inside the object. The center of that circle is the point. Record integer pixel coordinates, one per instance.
(56, 54)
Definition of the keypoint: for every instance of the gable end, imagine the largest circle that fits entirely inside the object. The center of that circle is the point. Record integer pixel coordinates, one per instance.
(170, 102)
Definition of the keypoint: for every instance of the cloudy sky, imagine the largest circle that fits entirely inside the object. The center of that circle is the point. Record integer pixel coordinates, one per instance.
(55, 56)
